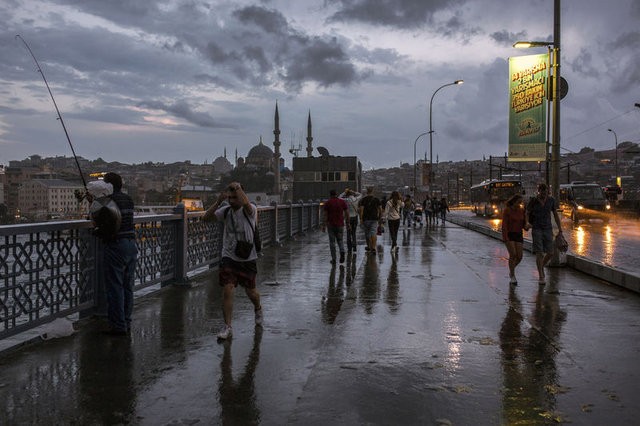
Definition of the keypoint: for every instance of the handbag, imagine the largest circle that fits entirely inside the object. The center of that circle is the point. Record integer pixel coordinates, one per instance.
(243, 248)
(561, 243)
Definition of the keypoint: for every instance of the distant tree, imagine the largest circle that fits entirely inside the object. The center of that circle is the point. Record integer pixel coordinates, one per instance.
(626, 144)
(586, 150)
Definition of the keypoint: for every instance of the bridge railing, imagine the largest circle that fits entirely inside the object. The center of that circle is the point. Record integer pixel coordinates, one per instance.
(55, 269)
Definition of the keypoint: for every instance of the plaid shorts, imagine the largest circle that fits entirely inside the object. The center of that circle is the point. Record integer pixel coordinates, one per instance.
(242, 273)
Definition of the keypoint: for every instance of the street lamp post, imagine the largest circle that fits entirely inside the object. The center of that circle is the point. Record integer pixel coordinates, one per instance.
(555, 124)
(616, 136)
(431, 128)
(415, 165)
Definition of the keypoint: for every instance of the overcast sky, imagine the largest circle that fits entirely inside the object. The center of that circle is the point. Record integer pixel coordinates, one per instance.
(181, 80)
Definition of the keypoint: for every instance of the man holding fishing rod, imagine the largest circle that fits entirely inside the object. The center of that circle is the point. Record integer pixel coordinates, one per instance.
(114, 225)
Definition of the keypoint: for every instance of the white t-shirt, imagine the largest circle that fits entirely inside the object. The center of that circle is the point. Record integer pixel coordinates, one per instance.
(244, 231)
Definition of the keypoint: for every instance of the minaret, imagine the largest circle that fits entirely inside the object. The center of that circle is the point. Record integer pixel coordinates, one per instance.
(309, 137)
(276, 153)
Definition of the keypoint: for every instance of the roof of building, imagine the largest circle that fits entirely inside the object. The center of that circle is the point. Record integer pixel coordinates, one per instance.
(260, 151)
(57, 183)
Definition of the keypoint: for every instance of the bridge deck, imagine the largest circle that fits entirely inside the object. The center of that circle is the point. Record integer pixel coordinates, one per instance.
(430, 335)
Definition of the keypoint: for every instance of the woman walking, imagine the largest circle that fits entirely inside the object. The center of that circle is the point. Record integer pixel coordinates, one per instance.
(392, 210)
(513, 223)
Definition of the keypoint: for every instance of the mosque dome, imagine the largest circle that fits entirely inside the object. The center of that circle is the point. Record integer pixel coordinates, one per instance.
(260, 151)
(222, 165)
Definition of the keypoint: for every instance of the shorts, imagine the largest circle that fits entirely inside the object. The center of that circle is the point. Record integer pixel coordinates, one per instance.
(515, 237)
(242, 273)
(542, 240)
(370, 228)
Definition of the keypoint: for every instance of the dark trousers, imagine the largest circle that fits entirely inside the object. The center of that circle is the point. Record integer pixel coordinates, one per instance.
(335, 237)
(120, 268)
(352, 242)
(393, 225)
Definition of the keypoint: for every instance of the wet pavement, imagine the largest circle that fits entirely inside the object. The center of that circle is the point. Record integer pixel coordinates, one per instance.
(433, 335)
(615, 244)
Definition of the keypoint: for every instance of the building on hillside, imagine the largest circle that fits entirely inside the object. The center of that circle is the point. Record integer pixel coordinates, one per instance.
(314, 177)
(42, 199)
(13, 178)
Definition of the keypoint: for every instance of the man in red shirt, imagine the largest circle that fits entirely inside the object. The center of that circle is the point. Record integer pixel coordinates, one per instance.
(336, 216)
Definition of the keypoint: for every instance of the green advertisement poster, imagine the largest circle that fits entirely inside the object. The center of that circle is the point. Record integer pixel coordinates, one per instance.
(528, 77)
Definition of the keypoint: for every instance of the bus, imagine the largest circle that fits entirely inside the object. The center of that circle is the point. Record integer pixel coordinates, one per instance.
(489, 197)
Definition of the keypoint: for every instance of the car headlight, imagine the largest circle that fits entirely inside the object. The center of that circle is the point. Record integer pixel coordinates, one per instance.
(580, 208)
(608, 206)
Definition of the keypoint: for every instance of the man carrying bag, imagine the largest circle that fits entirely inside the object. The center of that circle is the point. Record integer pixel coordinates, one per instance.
(238, 259)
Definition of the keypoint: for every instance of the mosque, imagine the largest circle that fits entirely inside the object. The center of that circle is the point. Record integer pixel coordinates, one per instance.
(311, 178)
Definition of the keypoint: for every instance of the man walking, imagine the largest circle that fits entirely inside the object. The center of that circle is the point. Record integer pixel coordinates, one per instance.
(539, 211)
(336, 214)
(370, 214)
(352, 198)
(238, 260)
(120, 256)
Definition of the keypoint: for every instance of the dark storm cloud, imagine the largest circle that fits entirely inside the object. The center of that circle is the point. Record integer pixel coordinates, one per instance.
(271, 21)
(626, 40)
(402, 14)
(625, 70)
(267, 49)
(182, 109)
(635, 8)
(507, 38)
(583, 64)
(321, 61)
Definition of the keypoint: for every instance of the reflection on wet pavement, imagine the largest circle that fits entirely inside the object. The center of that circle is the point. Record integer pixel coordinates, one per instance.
(616, 243)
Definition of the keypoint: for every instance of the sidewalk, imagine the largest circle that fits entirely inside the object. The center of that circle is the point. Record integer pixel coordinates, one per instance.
(432, 335)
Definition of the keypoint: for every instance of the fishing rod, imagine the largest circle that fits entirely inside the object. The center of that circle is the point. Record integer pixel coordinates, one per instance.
(84, 183)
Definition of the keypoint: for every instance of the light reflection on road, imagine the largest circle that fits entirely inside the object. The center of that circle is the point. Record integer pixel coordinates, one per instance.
(616, 244)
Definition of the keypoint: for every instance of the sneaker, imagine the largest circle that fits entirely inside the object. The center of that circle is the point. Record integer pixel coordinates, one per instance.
(259, 317)
(513, 281)
(225, 333)
(341, 257)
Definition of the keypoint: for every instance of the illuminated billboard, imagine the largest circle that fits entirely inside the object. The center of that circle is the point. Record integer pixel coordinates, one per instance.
(528, 81)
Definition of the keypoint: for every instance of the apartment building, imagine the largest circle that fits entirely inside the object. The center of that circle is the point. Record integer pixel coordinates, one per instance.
(42, 199)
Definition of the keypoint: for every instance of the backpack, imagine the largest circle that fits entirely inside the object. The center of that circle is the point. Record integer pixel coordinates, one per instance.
(257, 241)
(105, 215)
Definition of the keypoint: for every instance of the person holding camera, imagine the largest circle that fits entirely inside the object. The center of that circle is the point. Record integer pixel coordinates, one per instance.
(238, 258)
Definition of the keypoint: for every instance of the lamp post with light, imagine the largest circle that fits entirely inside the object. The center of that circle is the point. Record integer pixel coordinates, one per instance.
(616, 136)
(555, 124)
(415, 165)
(431, 128)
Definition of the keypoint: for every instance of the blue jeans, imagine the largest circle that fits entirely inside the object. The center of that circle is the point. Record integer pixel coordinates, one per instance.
(120, 269)
(335, 235)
